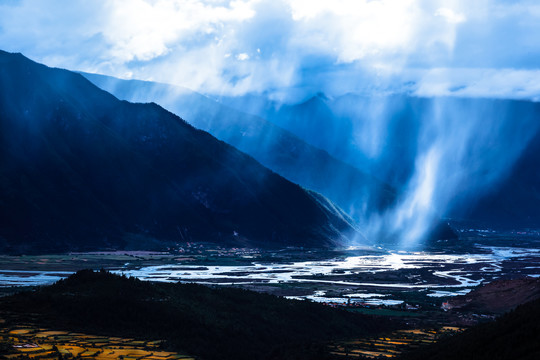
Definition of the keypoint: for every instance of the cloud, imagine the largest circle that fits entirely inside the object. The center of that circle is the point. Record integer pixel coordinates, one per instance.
(242, 56)
(355, 29)
(450, 16)
(493, 83)
(142, 30)
(240, 46)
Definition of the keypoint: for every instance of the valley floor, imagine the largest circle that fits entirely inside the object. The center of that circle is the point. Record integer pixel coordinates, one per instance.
(413, 288)
(370, 278)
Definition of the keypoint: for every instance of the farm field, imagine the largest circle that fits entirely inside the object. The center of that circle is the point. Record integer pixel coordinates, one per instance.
(29, 342)
(391, 345)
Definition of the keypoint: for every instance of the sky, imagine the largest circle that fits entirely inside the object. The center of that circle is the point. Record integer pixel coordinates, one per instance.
(480, 48)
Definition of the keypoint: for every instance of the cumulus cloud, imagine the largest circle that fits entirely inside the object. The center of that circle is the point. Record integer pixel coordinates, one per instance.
(240, 46)
(142, 30)
(355, 29)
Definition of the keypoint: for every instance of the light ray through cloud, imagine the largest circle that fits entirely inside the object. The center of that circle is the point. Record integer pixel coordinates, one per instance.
(286, 51)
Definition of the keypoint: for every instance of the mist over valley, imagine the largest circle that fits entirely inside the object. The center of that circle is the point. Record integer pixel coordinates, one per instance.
(253, 179)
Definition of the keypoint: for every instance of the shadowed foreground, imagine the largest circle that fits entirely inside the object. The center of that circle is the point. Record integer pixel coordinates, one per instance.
(224, 323)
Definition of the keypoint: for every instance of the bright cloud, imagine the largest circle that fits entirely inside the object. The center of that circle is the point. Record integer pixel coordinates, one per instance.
(234, 47)
(450, 16)
(354, 29)
(143, 30)
(242, 56)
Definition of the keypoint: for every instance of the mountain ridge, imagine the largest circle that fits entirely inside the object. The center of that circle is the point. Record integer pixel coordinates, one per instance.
(81, 169)
(507, 202)
(356, 192)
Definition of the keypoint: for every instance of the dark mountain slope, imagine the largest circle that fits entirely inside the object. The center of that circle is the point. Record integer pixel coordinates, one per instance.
(515, 201)
(219, 323)
(81, 169)
(353, 190)
(513, 336)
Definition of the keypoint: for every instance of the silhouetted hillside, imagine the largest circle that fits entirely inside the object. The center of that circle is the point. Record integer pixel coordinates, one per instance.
(80, 169)
(219, 323)
(513, 336)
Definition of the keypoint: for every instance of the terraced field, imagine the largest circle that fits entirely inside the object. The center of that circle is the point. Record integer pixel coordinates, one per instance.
(391, 345)
(30, 342)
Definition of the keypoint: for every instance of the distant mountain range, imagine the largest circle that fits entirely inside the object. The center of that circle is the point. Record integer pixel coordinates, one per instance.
(351, 126)
(357, 192)
(515, 201)
(290, 137)
(80, 169)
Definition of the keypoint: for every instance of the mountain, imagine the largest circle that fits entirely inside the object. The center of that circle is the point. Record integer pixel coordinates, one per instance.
(383, 135)
(358, 193)
(362, 196)
(80, 169)
(515, 201)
